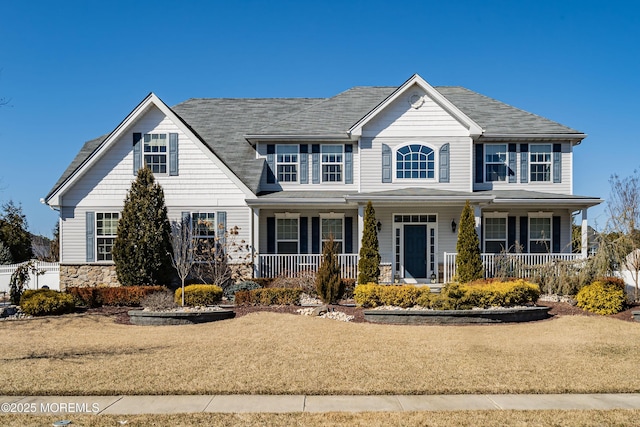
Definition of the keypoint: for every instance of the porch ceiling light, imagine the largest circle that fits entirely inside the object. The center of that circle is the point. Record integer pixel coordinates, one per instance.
(453, 225)
(379, 226)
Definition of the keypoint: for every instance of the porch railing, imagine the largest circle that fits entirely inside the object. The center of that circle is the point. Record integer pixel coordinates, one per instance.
(515, 265)
(270, 265)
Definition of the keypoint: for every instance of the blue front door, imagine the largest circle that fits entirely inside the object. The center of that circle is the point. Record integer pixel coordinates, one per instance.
(415, 251)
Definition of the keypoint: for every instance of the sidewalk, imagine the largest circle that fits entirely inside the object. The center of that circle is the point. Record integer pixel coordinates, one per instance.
(299, 403)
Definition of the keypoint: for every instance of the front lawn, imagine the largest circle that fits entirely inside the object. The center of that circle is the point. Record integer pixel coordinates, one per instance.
(270, 353)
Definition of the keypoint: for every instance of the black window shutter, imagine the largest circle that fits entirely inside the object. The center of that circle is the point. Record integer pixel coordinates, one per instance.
(479, 163)
(557, 163)
(524, 233)
(271, 235)
(315, 235)
(271, 163)
(524, 163)
(304, 235)
(137, 152)
(556, 234)
(348, 235)
(512, 164)
(315, 163)
(511, 233)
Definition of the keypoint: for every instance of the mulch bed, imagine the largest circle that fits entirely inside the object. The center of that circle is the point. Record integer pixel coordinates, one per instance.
(120, 315)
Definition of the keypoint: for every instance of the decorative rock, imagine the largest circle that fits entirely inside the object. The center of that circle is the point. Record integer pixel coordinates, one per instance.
(319, 311)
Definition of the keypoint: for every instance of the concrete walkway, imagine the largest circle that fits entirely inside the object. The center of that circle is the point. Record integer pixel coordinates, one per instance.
(300, 403)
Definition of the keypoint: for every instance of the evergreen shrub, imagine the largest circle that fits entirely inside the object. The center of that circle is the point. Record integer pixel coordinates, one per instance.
(247, 285)
(373, 295)
(269, 296)
(602, 297)
(468, 260)
(369, 257)
(45, 302)
(329, 285)
(199, 295)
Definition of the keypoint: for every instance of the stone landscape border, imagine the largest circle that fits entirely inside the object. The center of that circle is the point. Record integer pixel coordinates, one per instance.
(421, 317)
(157, 318)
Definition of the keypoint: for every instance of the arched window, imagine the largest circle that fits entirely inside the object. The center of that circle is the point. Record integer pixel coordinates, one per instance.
(415, 161)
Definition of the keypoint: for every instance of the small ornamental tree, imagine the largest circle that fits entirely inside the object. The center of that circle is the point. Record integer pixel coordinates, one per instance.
(328, 282)
(468, 260)
(142, 248)
(369, 262)
(182, 257)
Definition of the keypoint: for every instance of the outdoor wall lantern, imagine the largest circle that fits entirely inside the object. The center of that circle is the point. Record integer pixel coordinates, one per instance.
(453, 225)
(433, 277)
(379, 226)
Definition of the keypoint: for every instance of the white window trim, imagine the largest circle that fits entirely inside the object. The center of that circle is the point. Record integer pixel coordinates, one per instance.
(550, 163)
(288, 215)
(505, 163)
(342, 164)
(488, 215)
(436, 163)
(540, 214)
(165, 154)
(332, 215)
(98, 237)
(296, 164)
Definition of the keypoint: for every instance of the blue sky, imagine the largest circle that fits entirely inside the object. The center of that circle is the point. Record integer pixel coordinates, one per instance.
(72, 70)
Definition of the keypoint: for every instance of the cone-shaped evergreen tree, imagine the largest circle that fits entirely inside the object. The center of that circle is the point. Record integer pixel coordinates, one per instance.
(468, 260)
(369, 262)
(328, 282)
(141, 250)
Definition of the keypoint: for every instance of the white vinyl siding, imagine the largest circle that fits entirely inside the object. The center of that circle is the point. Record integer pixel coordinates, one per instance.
(104, 187)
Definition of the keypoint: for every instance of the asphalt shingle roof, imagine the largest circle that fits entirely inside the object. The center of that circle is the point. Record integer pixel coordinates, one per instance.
(223, 123)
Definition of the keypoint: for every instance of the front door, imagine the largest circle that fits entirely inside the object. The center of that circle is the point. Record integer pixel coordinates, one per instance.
(415, 251)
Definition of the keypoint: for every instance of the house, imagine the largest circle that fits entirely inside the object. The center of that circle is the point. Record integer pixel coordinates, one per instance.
(289, 172)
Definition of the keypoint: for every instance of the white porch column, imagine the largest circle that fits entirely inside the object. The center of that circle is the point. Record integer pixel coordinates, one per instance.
(477, 213)
(255, 240)
(360, 227)
(585, 234)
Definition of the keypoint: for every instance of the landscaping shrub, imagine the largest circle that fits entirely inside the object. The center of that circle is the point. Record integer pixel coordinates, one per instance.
(124, 296)
(305, 280)
(159, 301)
(328, 282)
(369, 259)
(468, 262)
(373, 295)
(247, 285)
(349, 286)
(43, 302)
(199, 295)
(454, 296)
(602, 297)
(269, 296)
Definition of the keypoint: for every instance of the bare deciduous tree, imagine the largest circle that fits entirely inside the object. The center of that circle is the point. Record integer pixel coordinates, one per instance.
(182, 244)
(624, 219)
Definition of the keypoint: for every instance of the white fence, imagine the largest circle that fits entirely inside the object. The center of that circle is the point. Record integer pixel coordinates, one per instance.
(518, 265)
(291, 265)
(50, 276)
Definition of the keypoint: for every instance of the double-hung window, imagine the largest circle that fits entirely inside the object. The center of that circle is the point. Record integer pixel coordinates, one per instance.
(332, 157)
(332, 227)
(495, 162)
(495, 234)
(106, 228)
(287, 235)
(540, 162)
(540, 234)
(287, 163)
(155, 152)
(203, 227)
(415, 161)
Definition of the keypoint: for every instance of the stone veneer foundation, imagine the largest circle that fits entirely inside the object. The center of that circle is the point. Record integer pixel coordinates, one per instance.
(87, 275)
(105, 274)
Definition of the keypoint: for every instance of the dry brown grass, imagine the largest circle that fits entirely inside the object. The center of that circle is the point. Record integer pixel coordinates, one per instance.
(267, 353)
(369, 419)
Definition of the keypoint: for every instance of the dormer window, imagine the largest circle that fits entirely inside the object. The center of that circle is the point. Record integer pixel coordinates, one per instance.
(415, 161)
(287, 163)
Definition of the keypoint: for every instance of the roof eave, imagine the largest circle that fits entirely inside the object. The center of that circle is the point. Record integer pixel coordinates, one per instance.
(404, 198)
(586, 202)
(300, 201)
(329, 137)
(575, 138)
